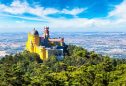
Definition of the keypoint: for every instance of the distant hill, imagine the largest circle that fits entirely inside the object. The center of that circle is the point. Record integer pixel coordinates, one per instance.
(79, 68)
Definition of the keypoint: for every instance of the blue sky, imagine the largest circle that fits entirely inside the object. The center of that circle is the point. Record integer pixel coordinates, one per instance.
(63, 15)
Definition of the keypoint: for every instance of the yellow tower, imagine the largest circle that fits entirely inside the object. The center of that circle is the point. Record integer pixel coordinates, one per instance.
(33, 44)
(33, 41)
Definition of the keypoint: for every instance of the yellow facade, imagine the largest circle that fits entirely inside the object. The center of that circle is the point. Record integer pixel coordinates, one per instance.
(44, 46)
(33, 45)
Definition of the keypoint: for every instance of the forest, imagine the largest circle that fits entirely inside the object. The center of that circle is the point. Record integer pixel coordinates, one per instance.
(78, 68)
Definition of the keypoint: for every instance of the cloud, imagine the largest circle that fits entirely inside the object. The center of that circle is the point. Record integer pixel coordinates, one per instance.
(17, 7)
(22, 21)
(24, 17)
(74, 12)
(40, 11)
(115, 21)
(119, 11)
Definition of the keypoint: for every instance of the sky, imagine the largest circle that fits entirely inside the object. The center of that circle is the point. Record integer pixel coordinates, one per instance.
(63, 15)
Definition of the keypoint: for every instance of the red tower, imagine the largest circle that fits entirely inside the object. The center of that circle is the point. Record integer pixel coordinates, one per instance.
(46, 32)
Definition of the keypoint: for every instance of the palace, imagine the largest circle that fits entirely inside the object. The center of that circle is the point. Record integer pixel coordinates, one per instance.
(45, 46)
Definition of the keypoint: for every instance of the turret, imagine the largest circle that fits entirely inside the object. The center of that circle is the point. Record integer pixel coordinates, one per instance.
(46, 32)
(35, 32)
(35, 37)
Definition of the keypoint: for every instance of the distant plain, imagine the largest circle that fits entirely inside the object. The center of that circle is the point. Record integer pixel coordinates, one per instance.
(105, 43)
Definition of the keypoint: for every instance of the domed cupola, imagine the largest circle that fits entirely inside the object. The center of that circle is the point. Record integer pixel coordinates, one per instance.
(34, 32)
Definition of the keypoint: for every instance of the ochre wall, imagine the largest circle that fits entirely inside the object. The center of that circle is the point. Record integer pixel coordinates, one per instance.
(32, 45)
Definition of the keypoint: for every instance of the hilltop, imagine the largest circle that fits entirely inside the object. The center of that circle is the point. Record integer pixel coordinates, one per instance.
(79, 68)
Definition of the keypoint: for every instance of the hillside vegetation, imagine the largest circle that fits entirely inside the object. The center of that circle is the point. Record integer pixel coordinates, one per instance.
(78, 68)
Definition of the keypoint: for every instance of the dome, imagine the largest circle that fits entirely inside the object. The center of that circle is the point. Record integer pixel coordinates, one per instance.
(34, 32)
